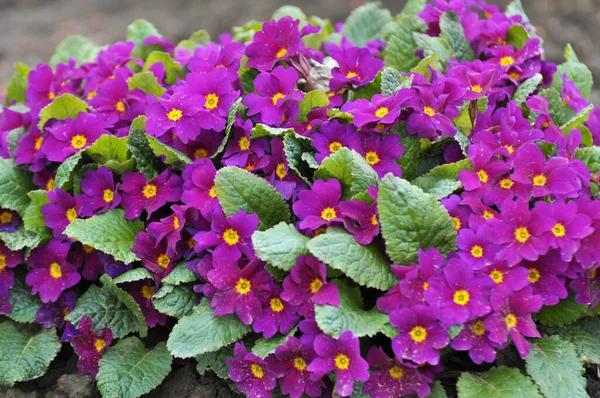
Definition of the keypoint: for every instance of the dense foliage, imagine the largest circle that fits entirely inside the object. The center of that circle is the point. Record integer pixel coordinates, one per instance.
(395, 205)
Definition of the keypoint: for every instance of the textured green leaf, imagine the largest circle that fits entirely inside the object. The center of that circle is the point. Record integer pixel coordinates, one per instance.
(265, 347)
(527, 88)
(180, 274)
(137, 32)
(415, 162)
(463, 120)
(33, 219)
(202, 332)
(239, 190)
(412, 219)
(109, 232)
(570, 54)
(262, 130)
(198, 39)
(215, 361)
(172, 155)
(369, 90)
(391, 80)
(365, 22)
(452, 30)
(312, 100)
(137, 142)
(64, 173)
(401, 45)
(14, 136)
(280, 245)
(136, 274)
(349, 315)
(413, 7)
(111, 152)
(309, 158)
(565, 312)
(517, 35)
(147, 82)
(24, 304)
(65, 106)
(590, 156)
(443, 180)
(499, 382)
(76, 47)
(25, 355)
(579, 73)
(558, 110)
(110, 307)
(175, 301)
(434, 45)
(128, 370)
(577, 121)
(294, 148)
(290, 11)
(15, 183)
(20, 239)
(586, 343)
(173, 70)
(423, 66)
(366, 265)
(236, 107)
(17, 85)
(556, 369)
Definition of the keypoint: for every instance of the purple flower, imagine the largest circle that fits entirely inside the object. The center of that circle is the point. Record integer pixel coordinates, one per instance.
(458, 211)
(343, 357)
(382, 153)
(90, 346)
(170, 228)
(250, 373)
(116, 103)
(228, 56)
(306, 284)
(199, 186)
(486, 170)
(379, 114)
(572, 96)
(475, 249)
(421, 334)
(243, 148)
(154, 254)
(9, 220)
(8, 260)
(356, 66)
(62, 210)
(44, 85)
(474, 337)
(28, 150)
(289, 363)
(512, 316)
(416, 281)
(394, 378)
(138, 195)
(544, 275)
(277, 41)
(360, 219)
(177, 114)
(53, 314)
(478, 77)
(99, 192)
(586, 287)
(277, 315)
(504, 280)
(88, 258)
(142, 292)
(274, 91)
(334, 136)
(319, 206)
(50, 273)
(285, 183)
(71, 136)
(239, 290)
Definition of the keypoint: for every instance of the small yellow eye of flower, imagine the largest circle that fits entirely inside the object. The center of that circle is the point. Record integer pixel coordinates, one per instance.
(163, 261)
(539, 180)
(108, 195)
(559, 230)
(477, 251)
(231, 236)
(50, 184)
(257, 371)
(91, 94)
(277, 97)
(38, 143)
(509, 148)
(88, 249)
(328, 214)
(335, 146)
(514, 75)
(374, 221)
(461, 297)
(175, 114)
(71, 214)
(483, 176)
(6, 217)
(212, 193)
(381, 112)
(506, 183)
(200, 153)
(418, 334)
(147, 292)
(99, 344)
(425, 286)
(510, 320)
(280, 171)
(51, 95)
(276, 305)
(244, 144)
(497, 276)
(78, 141)
(534, 275)
(175, 222)
(372, 158)
(281, 53)
(211, 101)
(342, 362)
(315, 285)
(55, 270)
(351, 75)
(429, 111)
(243, 286)
(522, 234)
(2, 262)
(456, 222)
(396, 372)
(507, 61)
(488, 214)
(149, 191)
(299, 364)
(478, 328)
(120, 106)
(476, 88)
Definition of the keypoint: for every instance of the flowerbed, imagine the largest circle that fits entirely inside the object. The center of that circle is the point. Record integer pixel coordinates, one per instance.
(385, 207)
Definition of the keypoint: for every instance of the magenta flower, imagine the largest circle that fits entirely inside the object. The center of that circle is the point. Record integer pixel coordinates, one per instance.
(154, 254)
(242, 148)
(116, 103)
(475, 248)
(50, 273)
(28, 150)
(416, 281)
(319, 206)
(274, 91)
(421, 334)
(137, 194)
(478, 77)
(87, 258)
(71, 136)
(343, 357)
(177, 115)
(572, 96)
(44, 85)
(504, 280)
(53, 314)
(545, 277)
(458, 211)
(382, 153)
(286, 183)
(90, 346)
(142, 292)
(379, 114)
(8, 260)
(474, 337)
(486, 170)
(360, 219)
(228, 56)
(356, 66)
(199, 186)
(9, 220)
(250, 373)
(169, 228)
(239, 290)
(587, 287)
(334, 136)
(277, 315)
(277, 41)
(99, 192)
(62, 210)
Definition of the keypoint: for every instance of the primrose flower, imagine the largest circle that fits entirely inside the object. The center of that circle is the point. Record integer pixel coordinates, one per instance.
(486, 170)
(545, 277)
(50, 273)
(277, 315)
(170, 228)
(243, 148)
(382, 153)
(416, 281)
(280, 177)
(504, 280)
(154, 254)
(478, 77)
(142, 292)
(343, 357)
(356, 66)
(225, 56)
(8, 260)
(379, 114)
(71, 136)
(137, 194)
(116, 103)
(319, 206)
(199, 186)
(177, 115)
(9, 220)
(474, 337)
(475, 248)
(572, 96)
(360, 219)
(90, 346)
(276, 42)
(334, 136)
(53, 314)
(87, 258)
(62, 210)
(28, 150)
(44, 85)
(250, 373)
(99, 192)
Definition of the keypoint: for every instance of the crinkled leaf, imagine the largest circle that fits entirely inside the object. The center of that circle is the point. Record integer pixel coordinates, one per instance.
(265, 347)
(111, 152)
(20, 239)
(415, 162)
(137, 32)
(138, 144)
(215, 361)
(239, 190)
(33, 219)
(310, 160)
(590, 156)
(367, 265)
(443, 180)
(369, 90)
(173, 70)
(437, 390)
(401, 45)
(236, 107)
(413, 7)
(527, 88)
(109, 232)
(14, 136)
(454, 33)
(423, 66)
(565, 312)
(576, 122)
(15, 183)
(280, 245)
(262, 130)
(175, 301)
(587, 343)
(313, 99)
(129, 370)
(434, 45)
(517, 35)
(24, 304)
(65, 106)
(554, 366)
(76, 47)
(499, 382)
(516, 8)
(180, 274)
(64, 173)
(25, 354)
(17, 85)
(411, 220)
(147, 82)
(294, 148)
(365, 22)
(558, 110)
(202, 332)
(290, 11)
(570, 54)
(136, 274)
(171, 155)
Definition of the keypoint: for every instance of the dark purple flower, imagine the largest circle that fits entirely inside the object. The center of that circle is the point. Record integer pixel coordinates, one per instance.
(71, 136)
(142, 292)
(379, 114)
(250, 373)
(177, 114)
(199, 186)
(228, 56)
(332, 137)
(277, 315)
(62, 210)
(90, 346)
(319, 206)
(474, 338)
(99, 192)
(416, 281)
(169, 228)
(137, 194)
(277, 41)
(356, 66)
(154, 254)
(242, 148)
(116, 104)
(382, 153)
(9, 220)
(87, 257)
(53, 314)
(586, 287)
(280, 177)
(8, 260)
(360, 219)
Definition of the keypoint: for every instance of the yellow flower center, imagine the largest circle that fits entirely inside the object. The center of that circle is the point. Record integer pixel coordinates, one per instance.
(120, 106)
(507, 61)
(281, 53)
(456, 222)
(476, 88)
(277, 97)
(175, 114)
(328, 214)
(299, 364)
(509, 148)
(350, 75)
(163, 261)
(38, 143)
(257, 371)
(429, 111)
(534, 275)
(88, 249)
(374, 221)
(78, 141)
(55, 270)
(381, 112)
(522, 234)
(559, 230)
(372, 158)
(231, 236)
(483, 176)
(461, 297)
(425, 286)
(211, 101)
(342, 362)
(514, 75)
(280, 171)
(510, 320)
(91, 94)
(212, 193)
(50, 184)
(149, 191)
(51, 95)
(147, 292)
(539, 181)
(478, 328)
(276, 305)
(477, 251)
(108, 195)
(2, 262)
(396, 372)
(244, 144)
(243, 286)
(488, 214)
(191, 243)
(99, 344)
(175, 222)
(71, 214)
(497, 276)
(335, 146)
(418, 334)
(6, 217)
(315, 285)
(200, 153)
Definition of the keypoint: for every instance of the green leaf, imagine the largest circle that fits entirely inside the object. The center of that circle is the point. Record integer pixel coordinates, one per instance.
(294, 148)
(265, 347)
(587, 345)
(147, 82)
(64, 173)
(350, 169)
(15, 183)
(411, 220)
(136, 274)
(558, 110)
(76, 47)
(309, 158)
(33, 219)
(391, 81)
(20, 239)
(437, 390)
(25, 355)
(517, 35)
(180, 274)
(556, 369)
(499, 382)
(280, 245)
(443, 180)
(172, 156)
(235, 109)
(349, 315)
(239, 190)
(175, 301)
(202, 332)
(577, 121)
(434, 45)
(415, 162)
(65, 106)
(579, 73)
(24, 304)
(111, 152)
(463, 120)
(262, 130)
(137, 142)
(215, 361)
(312, 100)
(173, 70)
(109, 232)
(516, 8)
(413, 7)
(401, 45)
(365, 22)
(590, 156)
(570, 54)
(565, 312)
(17, 85)
(137, 32)
(369, 90)
(367, 265)
(527, 88)
(452, 31)
(422, 67)
(110, 307)
(290, 11)
(14, 136)
(198, 39)
(128, 370)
